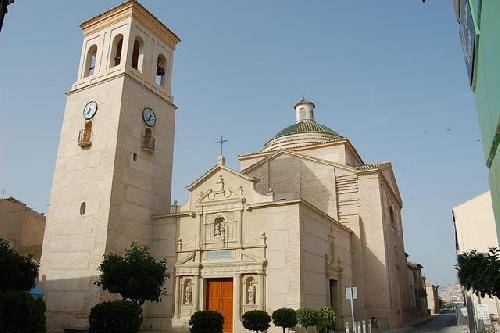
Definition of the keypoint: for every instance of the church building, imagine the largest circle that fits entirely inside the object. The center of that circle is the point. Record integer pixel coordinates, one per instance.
(302, 219)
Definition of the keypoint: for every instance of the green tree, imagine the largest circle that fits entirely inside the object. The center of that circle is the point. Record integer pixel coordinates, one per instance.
(19, 311)
(206, 321)
(137, 276)
(256, 320)
(307, 317)
(115, 317)
(480, 272)
(17, 272)
(325, 319)
(285, 318)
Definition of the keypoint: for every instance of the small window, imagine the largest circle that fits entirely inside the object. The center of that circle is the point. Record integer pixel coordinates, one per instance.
(82, 208)
(90, 61)
(161, 64)
(116, 55)
(134, 156)
(137, 54)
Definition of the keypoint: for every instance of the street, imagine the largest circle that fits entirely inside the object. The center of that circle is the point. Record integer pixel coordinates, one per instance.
(442, 323)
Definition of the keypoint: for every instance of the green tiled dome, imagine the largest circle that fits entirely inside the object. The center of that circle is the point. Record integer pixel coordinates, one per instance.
(305, 127)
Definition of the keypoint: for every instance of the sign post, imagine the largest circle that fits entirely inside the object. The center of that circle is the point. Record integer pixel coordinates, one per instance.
(351, 293)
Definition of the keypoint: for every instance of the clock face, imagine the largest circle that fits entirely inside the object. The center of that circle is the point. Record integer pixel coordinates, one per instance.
(149, 117)
(90, 110)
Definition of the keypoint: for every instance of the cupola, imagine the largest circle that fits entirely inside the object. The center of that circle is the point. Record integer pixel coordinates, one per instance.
(304, 110)
(305, 131)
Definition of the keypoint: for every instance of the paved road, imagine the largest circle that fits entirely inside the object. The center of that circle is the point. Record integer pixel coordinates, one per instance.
(442, 323)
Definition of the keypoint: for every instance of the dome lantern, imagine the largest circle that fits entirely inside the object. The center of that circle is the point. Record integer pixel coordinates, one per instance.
(304, 110)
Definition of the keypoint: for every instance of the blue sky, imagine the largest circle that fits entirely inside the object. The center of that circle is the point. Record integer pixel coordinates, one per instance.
(388, 74)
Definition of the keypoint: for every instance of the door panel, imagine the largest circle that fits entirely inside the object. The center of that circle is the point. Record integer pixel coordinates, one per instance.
(220, 298)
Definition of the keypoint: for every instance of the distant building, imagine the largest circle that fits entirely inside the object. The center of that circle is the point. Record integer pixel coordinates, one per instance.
(453, 293)
(22, 227)
(475, 229)
(479, 26)
(416, 294)
(431, 291)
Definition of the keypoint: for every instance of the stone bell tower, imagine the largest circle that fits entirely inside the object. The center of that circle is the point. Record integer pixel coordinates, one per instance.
(114, 162)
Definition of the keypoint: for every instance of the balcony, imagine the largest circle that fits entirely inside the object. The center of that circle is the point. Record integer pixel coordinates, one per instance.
(85, 138)
(148, 143)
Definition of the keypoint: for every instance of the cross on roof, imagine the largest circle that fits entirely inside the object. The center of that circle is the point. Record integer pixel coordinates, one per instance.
(222, 141)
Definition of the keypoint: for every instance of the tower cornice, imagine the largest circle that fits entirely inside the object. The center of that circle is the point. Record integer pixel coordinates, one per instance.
(135, 10)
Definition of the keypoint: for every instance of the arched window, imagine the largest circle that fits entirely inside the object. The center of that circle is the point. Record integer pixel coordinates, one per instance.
(137, 54)
(82, 208)
(116, 55)
(161, 65)
(90, 60)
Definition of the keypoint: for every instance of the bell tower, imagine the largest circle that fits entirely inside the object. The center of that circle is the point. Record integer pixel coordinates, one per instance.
(114, 162)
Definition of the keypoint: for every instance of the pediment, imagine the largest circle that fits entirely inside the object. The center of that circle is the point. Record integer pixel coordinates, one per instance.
(220, 192)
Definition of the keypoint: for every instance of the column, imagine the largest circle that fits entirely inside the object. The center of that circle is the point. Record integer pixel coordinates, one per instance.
(196, 295)
(237, 297)
(261, 293)
(176, 298)
(201, 291)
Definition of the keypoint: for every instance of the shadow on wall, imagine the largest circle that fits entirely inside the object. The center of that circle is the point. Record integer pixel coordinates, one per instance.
(69, 306)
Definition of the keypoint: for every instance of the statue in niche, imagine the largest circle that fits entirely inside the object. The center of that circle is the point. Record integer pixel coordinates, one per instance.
(188, 294)
(218, 228)
(251, 294)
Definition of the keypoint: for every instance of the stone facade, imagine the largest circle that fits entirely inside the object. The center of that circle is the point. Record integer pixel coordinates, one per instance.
(301, 220)
(22, 227)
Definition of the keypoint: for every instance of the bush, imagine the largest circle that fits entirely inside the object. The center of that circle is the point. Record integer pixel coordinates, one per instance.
(115, 317)
(256, 320)
(307, 317)
(21, 313)
(206, 321)
(18, 272)
(479, 272)
(325, 319)
(138, 276)
(285, 317)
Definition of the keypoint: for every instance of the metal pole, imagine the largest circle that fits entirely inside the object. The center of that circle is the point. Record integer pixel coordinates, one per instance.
(352, 311)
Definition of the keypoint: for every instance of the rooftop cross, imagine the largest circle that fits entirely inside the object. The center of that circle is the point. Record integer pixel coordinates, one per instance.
(222, 142)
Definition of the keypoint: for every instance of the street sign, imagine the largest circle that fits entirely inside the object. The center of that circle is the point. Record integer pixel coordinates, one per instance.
(483, 312)
(351, 293)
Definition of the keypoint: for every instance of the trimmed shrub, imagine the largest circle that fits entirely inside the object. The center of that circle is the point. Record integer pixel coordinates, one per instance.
(18, 272)
(256, 320)
(115, 317)
(325, 319)
(307, 317)
(206, 321)
(21, 313)
(285, 318)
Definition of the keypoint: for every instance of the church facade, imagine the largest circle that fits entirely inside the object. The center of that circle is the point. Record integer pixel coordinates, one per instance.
(302, 219)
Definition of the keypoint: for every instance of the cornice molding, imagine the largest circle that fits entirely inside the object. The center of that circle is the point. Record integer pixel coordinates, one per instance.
(130, 9)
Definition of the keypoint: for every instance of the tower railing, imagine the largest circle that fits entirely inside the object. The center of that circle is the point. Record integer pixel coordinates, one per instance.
(148, 143)
(85, 138)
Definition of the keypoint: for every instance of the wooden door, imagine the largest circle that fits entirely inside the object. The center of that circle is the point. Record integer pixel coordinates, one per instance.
(219, 297)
